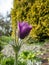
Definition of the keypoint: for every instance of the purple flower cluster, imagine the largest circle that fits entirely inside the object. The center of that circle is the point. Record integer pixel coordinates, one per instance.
(23, 29)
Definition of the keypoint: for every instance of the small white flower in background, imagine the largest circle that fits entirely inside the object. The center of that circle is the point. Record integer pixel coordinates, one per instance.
(29, 62)
(38, 63)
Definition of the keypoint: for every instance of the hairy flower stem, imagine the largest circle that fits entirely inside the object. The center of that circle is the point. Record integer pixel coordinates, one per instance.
(16, 59)
(16, 52)
(16, 48)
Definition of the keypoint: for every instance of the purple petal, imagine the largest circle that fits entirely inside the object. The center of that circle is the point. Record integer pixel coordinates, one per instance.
(21, 25)
(24, 29)
(24, 23)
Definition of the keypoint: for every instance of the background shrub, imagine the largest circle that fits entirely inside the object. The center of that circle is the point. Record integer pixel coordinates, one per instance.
(36, 12)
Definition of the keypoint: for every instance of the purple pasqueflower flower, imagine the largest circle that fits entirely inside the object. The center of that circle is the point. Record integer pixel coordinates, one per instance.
(23, 29)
